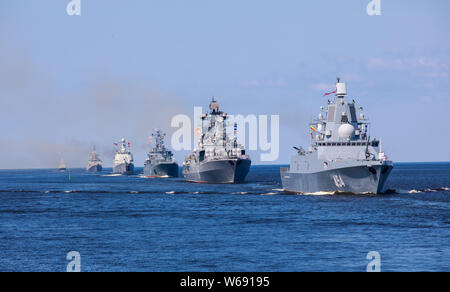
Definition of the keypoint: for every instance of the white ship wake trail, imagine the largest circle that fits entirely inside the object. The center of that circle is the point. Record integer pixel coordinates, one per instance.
(153, 177)
(241, 193)
(255, 192)
(318, 194)
(433, 190)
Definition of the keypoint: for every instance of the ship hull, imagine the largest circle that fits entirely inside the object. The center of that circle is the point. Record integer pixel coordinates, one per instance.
(94, 168)
(124, 168)
(228, 171)
(360, 179)
(161, 170)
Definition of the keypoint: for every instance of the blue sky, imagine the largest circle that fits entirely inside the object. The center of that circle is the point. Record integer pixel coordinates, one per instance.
(123, 68)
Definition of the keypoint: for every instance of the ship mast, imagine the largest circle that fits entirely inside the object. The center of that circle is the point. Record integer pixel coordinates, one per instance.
(159, 145)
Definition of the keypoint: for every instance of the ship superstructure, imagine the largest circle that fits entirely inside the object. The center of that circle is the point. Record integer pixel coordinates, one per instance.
(160, 161)
(218, 158)
(123, 162)
(342, 156)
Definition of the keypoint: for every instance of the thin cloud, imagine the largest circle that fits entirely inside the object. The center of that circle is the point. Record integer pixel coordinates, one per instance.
(250, 83)
(406, 63)
(323, 87)
(280, 82)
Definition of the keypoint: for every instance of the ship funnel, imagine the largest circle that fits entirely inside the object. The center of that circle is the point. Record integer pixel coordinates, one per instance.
(341, 88)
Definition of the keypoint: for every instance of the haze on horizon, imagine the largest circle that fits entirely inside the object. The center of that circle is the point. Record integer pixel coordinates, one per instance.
(122, 68)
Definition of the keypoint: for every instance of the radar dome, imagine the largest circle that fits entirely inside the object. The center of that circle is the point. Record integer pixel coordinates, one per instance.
(346, 131)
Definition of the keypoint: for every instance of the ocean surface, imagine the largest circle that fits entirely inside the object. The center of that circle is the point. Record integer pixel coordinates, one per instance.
(131, 223)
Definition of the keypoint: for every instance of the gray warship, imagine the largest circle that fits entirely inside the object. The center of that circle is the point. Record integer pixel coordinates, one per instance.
(62, 166)
(123, 162)
(218, 158)
(94, 163)
(160, 162)
(342, 157)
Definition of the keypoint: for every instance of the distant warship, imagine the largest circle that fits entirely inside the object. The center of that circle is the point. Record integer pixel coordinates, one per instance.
(123, 160)
(94, 163)
(342, 156)
(218, 157)
(160, 162)
(62, 166)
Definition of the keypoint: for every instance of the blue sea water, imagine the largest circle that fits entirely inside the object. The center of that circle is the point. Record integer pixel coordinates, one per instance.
(130, 223)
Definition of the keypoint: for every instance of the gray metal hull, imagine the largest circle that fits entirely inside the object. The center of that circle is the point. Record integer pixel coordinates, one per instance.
(124, 168)
(360, 179)
(94, 168)
(161, 170)
(218, 171)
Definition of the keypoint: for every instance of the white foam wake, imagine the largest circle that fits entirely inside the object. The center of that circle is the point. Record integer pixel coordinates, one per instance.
(70, 192)
(414, 191)
(278, 190)
(318, 194)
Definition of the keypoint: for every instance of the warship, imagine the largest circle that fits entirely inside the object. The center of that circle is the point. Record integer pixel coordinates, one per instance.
(123, 160)
(342, 157)
(160, 162)
(62, 166)
(218, 158)
(94, 163)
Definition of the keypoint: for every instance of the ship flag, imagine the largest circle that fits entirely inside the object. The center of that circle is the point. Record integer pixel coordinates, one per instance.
(328, 93)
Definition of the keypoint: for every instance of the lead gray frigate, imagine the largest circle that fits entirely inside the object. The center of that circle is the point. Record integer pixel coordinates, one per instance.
(342, 156)
(218, 157)
(160, 161)
(123, 162)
